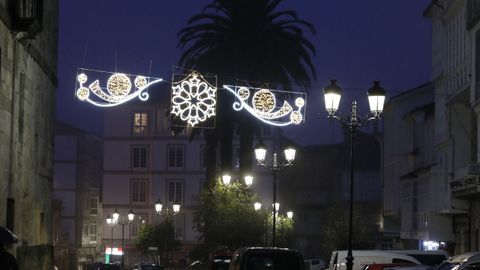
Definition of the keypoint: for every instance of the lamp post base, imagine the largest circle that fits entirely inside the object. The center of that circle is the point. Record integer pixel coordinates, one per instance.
(349, 260)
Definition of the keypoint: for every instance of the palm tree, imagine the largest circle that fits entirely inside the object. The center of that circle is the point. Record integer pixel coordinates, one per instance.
(251, 40)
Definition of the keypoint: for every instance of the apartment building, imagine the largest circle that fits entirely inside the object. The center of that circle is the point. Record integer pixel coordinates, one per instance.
(77, 191)
(416, 199)
(28, 80)
(431, 185)
(145, 162)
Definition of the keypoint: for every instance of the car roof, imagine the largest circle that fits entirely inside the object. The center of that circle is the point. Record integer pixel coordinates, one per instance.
(265, 250)
(465, 257)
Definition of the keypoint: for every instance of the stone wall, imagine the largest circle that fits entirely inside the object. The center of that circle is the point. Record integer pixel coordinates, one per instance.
(27, 111)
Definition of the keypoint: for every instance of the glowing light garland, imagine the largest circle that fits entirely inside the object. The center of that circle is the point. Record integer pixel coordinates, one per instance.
(119, 87)
(264, 102)
(193, 99)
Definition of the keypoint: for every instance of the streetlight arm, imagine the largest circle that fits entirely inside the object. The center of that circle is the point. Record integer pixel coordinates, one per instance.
(353, 120)
(275, 166)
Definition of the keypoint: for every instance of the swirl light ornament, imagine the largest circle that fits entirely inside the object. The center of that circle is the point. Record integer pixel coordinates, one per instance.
(193, 99)
(118, 87)
(263, 104)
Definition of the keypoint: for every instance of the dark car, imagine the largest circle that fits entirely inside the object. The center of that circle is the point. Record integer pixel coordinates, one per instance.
(105, 266)
(221, 260)
(396, 266)
(147, 266)
(264, 258)
(465, 261)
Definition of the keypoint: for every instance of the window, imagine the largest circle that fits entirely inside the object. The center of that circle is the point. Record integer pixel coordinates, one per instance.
(138, 191)
(140, 123)
(93, 206)
(92, 232)
(179, 225)
(175, 156)
(139, 156)
(175, 190)
(25, 13)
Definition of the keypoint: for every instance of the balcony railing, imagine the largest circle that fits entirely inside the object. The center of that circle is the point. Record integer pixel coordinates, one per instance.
(27, 15)
(467, 185)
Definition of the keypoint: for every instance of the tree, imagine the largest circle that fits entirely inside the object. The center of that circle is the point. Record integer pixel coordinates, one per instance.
(226, 217)
(161, 236)
(250, 40)
(284, 234)
(336, 231)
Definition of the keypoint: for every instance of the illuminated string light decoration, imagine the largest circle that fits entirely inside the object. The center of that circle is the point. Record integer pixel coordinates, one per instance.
(193, 99)
(118, 87)
(263, 104)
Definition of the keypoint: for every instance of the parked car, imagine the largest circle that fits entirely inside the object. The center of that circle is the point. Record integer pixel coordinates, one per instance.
(426, 257)
(196, 265)
(105, 266)
(148, 266)
(314, 264)
(264, 258)
(221, 260)
(366, 257)
(465, 261)
(396, 266)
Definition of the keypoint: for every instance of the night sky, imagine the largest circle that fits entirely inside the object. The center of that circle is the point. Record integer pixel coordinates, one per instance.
(356, 42)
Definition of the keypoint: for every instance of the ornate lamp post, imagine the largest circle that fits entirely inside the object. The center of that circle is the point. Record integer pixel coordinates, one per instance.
(275, 166)
(167, 211)
(116, 217)
(376, 100)
(227, 178)
(111, 223)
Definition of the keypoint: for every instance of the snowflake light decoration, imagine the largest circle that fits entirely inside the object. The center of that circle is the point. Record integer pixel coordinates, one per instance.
(264, 102)
(119, 87)
(193, 99)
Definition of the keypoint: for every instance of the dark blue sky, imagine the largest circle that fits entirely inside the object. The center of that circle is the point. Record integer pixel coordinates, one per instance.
(356, 41)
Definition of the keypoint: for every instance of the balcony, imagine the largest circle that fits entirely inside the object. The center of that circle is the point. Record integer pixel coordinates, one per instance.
(26, 15)
(467, 185)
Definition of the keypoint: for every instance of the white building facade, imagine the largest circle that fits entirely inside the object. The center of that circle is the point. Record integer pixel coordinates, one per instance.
(144, 162)
(413, 212)
(456, 122)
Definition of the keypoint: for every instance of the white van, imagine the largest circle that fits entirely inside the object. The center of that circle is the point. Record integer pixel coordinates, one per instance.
(366, 257)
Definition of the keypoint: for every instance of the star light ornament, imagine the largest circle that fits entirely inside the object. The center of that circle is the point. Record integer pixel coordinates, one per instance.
(119, 87)
(263, 105)
(193, 99)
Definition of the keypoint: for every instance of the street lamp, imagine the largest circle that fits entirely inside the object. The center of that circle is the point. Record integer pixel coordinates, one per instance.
(116, 220)
(227, 178)
(111, 223)
(275, 166)
(166, 211)
(248, 180)
(376, 100)
(160, 210)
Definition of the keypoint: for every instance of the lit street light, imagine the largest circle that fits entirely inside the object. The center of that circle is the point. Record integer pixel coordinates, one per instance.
(115, 221)
(376, 100)
(227, 178)
(275, 166)
(167, 211)
(111, 223)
